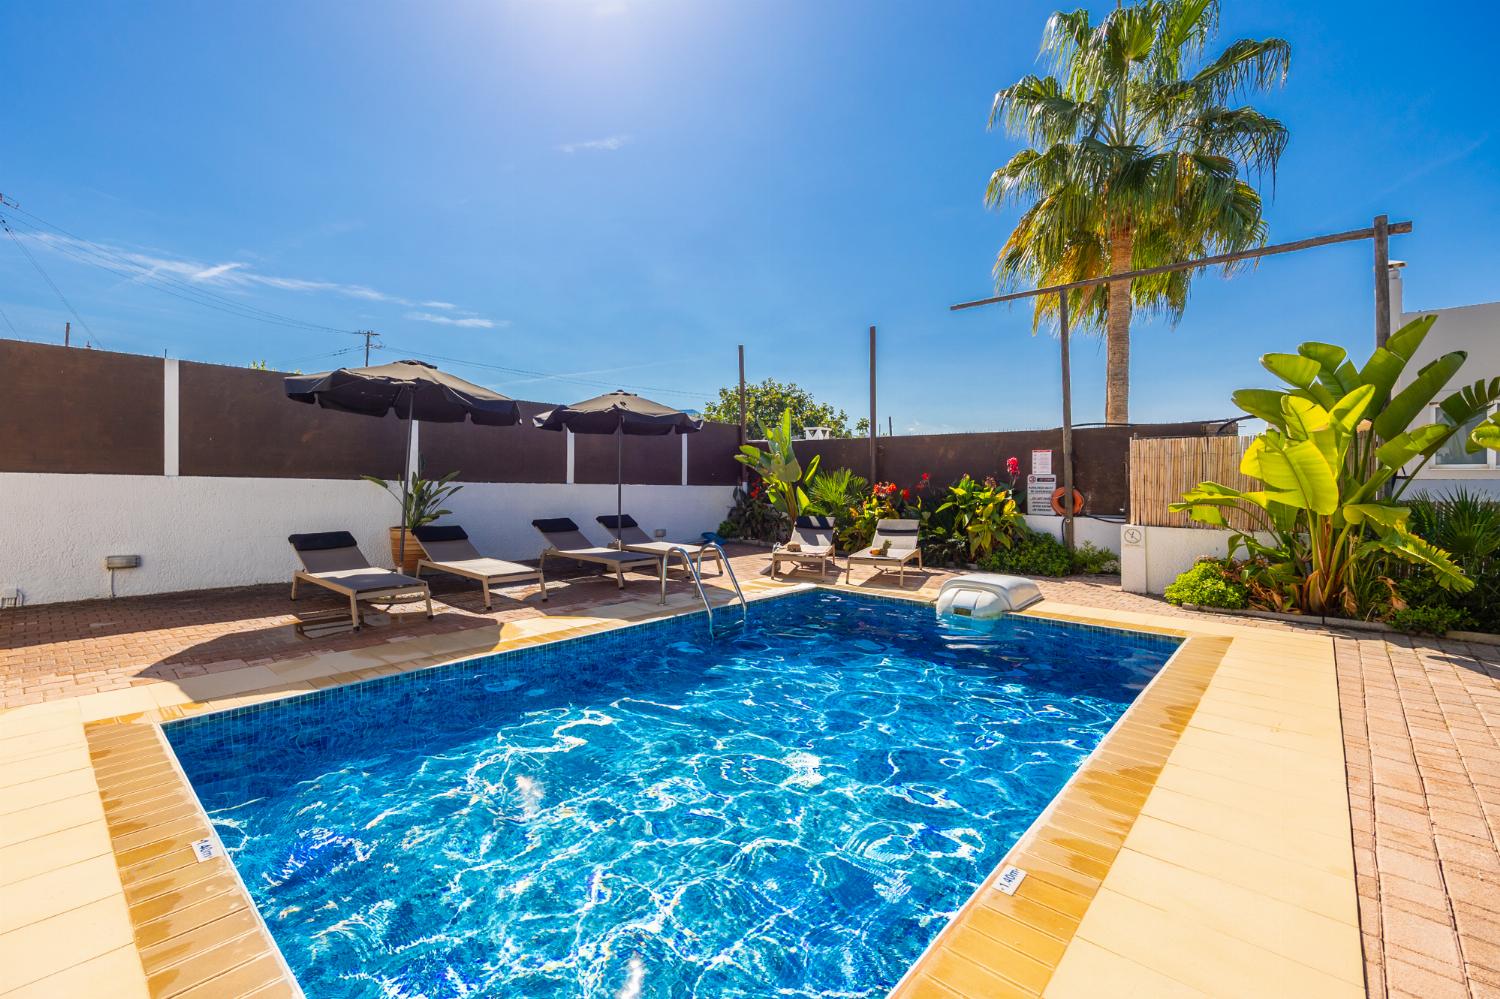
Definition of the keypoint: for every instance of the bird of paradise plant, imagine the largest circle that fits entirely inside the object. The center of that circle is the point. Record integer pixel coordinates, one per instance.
(779, 468)
(1329, 459)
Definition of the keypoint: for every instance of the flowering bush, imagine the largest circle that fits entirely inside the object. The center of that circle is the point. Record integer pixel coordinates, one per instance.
(984, 514)
(752, 517)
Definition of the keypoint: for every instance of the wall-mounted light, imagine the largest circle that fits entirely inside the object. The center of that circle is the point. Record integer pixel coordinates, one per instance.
(113, 562)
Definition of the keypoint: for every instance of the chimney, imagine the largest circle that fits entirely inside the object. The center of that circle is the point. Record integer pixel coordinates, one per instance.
(1398, 310)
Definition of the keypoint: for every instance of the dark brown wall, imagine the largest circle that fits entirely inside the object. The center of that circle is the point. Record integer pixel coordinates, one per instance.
(1101, 460)
(496, 454)
(711, 454)
(648, 461)
(239, 422)
(76, 410)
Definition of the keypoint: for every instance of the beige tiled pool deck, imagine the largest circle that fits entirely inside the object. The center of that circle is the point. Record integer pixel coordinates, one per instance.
(1208, 847)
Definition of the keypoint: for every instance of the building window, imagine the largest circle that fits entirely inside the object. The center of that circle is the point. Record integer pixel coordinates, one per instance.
(1455, 454)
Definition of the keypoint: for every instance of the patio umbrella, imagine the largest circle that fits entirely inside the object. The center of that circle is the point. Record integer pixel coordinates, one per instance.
(413, 390)
(619, 413)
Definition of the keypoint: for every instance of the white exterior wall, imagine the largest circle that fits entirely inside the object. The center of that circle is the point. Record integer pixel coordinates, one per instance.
(201, 532)
(1471, 328)
(1101, 533)
(1152, 557)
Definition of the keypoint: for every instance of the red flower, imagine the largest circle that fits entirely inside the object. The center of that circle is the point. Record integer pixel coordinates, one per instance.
(906, 494)
(926, 476)
(1012, 466)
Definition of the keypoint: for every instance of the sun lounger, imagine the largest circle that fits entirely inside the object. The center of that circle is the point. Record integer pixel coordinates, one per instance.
(901, 536)
(565, 540)
(633, 539)
(332, 560)
(811, 543)
(447, 548)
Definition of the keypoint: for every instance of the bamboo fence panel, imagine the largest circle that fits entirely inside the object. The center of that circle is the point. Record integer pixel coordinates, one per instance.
(1163, 468)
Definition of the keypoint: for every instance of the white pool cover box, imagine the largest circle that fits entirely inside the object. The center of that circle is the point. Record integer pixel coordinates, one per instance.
(986, 594)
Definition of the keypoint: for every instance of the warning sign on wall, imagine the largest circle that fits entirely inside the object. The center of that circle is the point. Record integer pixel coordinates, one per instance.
(1041, 462)
(1039, 490)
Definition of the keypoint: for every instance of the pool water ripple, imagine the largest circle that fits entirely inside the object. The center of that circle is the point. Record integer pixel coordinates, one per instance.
(795, 811)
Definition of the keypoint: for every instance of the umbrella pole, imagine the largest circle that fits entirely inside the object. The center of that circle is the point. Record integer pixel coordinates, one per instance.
(405, 484)
(619, 481)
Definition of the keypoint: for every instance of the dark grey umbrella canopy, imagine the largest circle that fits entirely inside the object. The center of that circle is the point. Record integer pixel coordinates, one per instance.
(618, 412)
(411, 388)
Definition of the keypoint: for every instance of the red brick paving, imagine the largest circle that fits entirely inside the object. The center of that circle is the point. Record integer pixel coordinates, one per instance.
(1421, 732)
(1422, 748)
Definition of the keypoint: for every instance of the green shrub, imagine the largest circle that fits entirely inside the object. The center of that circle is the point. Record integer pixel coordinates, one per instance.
(1095, 561)
(1209, 583)
(1031, 553)
(1431, 620)
(1468, 526)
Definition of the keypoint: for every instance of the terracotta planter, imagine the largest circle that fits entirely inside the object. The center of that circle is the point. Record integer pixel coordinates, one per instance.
(407, 565)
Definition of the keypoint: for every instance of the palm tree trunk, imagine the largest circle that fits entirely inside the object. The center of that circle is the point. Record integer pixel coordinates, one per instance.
(1117, 331)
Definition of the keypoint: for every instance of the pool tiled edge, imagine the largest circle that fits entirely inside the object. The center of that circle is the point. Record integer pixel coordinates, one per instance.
(196, 929)
(1010, 945)
(1204, 847)
(75, 917)
(1210, 854)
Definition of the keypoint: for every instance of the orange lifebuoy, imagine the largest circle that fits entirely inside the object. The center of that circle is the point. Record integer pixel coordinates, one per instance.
(1057, 507)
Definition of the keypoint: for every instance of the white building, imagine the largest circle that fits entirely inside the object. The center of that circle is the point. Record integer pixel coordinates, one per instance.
(1472, 328)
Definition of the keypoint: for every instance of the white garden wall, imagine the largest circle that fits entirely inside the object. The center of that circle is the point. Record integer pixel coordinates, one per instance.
(1101, 533)
(201, 532)
(1152, 557)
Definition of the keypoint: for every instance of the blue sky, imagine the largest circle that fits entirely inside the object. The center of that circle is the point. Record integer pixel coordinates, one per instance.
(621, 192)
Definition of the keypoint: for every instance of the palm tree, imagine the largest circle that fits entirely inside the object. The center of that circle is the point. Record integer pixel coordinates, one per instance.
(1135, 158)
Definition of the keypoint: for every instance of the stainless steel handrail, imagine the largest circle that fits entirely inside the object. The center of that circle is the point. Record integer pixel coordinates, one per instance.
(733, 580)
(687, 560)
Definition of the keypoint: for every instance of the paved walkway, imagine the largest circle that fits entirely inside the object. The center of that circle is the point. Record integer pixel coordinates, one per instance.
(1421, 723)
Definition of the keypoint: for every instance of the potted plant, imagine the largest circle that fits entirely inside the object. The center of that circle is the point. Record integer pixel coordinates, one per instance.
(424, 500)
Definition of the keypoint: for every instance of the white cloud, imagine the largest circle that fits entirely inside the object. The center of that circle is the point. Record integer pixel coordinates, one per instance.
(238, 275)
(470, 322)
(607, 144)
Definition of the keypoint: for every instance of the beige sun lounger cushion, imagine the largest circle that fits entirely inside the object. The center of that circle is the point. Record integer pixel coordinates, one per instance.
(332, 560)
(904, 548)
(565, 540)
(813, 538)
(447, 548)
(634, 539)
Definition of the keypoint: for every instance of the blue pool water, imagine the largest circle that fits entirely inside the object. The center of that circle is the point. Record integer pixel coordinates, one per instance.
(795, 810)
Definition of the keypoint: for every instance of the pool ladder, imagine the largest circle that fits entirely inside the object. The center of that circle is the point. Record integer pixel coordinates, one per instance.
(692, 568)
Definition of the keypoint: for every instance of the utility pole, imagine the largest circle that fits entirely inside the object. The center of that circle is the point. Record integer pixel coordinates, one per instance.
(874, 426)
(368, 335)
(67, 333)
(1067, 419)
(744, 470)
(1382, 243)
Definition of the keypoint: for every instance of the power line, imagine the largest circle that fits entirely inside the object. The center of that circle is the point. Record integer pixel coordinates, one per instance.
(115, 262)
(547, 375)
(317, 357)
(9, 325)
(5, 224)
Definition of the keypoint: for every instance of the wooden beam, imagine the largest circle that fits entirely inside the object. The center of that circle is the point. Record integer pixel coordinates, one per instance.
(1395, 228)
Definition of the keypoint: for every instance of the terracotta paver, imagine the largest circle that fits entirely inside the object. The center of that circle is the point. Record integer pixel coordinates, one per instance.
(1420, 740)
(1422, 723)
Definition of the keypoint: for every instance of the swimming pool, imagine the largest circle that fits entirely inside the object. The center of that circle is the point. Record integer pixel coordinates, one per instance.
(793, 810)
